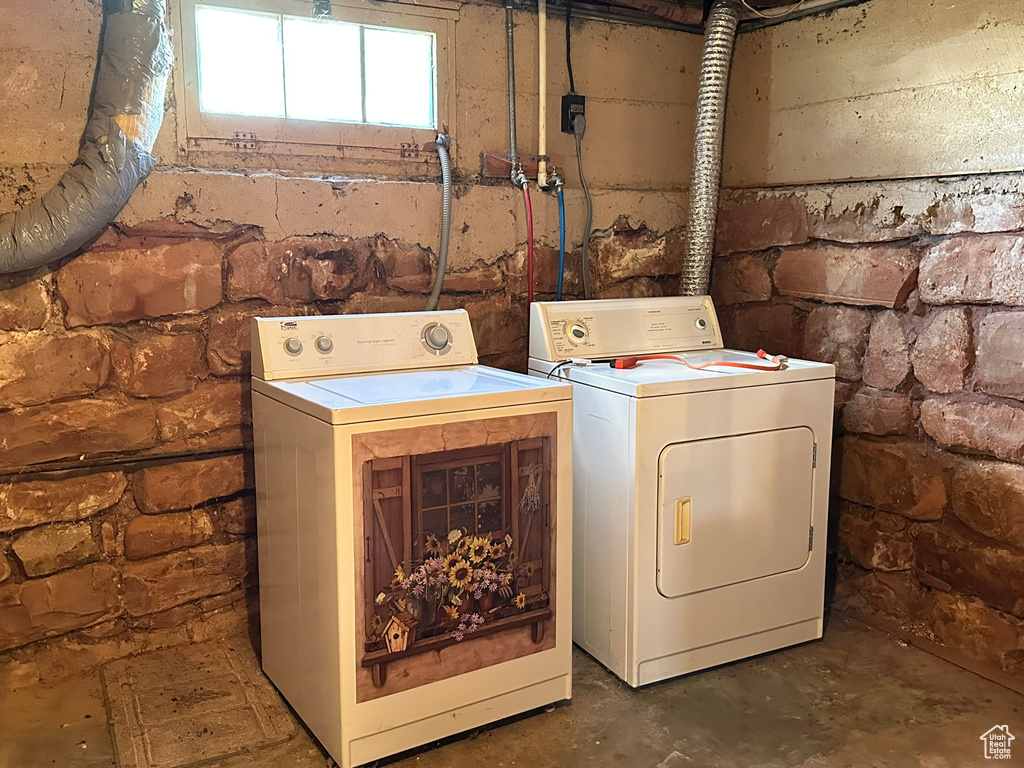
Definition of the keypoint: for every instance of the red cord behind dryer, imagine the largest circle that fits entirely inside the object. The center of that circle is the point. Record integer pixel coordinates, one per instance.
(624, 363)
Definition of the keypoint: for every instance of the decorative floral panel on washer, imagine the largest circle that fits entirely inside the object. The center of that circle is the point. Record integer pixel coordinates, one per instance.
(458, 541)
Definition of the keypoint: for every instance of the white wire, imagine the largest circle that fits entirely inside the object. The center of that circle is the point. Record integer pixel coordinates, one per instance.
(782, 15)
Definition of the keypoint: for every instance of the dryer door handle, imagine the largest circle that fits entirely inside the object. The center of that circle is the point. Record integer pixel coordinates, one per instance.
(682, 531)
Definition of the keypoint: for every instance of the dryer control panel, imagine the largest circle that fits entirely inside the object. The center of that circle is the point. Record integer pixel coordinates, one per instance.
(607, 328)
(301, 347)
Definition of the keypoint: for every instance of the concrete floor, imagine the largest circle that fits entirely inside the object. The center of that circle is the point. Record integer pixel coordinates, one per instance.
(857, 698)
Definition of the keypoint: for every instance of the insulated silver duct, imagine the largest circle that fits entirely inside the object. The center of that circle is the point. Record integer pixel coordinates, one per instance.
(719, 39)
(114, 157)
(516, 174)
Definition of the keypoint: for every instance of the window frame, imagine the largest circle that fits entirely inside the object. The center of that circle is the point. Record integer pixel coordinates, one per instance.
(445, 460)
(245, 135)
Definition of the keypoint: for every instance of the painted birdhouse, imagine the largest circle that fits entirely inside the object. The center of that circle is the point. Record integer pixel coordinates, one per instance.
(398, 633)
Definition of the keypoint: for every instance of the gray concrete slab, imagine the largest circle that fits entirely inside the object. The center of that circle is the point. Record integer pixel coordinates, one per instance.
(61, 726)
(858, 699)
(190, 704)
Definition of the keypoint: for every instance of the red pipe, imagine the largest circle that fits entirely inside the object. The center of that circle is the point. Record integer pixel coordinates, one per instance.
(529, 245)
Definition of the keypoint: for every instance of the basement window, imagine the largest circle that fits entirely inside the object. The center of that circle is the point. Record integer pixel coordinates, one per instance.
(296, 77)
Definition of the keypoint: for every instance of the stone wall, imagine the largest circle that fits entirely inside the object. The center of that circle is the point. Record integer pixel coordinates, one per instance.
(126, 502)
(915, 291)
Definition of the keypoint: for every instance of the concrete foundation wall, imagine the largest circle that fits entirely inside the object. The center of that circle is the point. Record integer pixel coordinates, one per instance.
(883, 89)
(640, 83)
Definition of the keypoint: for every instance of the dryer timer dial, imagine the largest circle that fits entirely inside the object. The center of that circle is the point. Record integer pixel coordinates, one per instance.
(576, 332)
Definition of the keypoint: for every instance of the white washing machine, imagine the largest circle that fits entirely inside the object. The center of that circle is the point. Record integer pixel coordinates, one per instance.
(414, 511)
(700, 496)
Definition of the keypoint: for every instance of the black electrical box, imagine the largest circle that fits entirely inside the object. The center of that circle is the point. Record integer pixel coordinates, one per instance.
(572, 104)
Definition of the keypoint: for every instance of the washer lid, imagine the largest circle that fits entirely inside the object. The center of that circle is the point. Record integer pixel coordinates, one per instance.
(373, 397)
(651, 378)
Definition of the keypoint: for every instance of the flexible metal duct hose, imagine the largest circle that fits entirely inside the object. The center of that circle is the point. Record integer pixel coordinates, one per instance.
(126, 113)
(719, 40)
(443, 143)
(510, 64)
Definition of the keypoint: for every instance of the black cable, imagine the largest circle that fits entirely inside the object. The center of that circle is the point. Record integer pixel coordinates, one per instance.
(558, 368)
(579, 126)
(568, 45)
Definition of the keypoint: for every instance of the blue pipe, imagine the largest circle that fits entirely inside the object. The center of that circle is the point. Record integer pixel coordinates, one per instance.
(561, 241)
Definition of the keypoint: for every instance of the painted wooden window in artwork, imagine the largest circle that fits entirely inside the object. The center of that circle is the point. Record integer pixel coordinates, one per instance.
(463, 490)
(458, 546)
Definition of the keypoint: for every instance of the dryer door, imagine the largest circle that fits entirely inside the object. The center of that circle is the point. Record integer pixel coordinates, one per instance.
(732, 509)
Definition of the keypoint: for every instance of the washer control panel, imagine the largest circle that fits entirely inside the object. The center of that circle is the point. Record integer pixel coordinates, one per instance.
(300, 347)
(608, 328)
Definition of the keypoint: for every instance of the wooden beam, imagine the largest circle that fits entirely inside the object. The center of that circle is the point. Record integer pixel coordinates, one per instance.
(496, 165)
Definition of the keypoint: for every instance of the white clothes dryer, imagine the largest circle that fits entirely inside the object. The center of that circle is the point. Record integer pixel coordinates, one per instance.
(413, 513)
(700, 493)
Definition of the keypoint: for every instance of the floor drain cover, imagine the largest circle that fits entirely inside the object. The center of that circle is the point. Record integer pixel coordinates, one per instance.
(181, 706)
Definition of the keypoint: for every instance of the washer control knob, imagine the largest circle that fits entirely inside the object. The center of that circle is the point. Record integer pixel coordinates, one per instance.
(324, 344)
(437, 337)
(292, 346)
(701, 323)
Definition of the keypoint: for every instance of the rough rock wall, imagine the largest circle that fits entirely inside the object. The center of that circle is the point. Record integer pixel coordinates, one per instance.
(915, 291)
(126, 506)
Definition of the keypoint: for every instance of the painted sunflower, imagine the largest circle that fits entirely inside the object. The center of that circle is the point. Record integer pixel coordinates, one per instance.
(451, 561)
(452, 611)
(497, 551)
(521, 600)
(460, 575)
(433, 545)
(463, 546)
(478, 550)
(399, 575)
